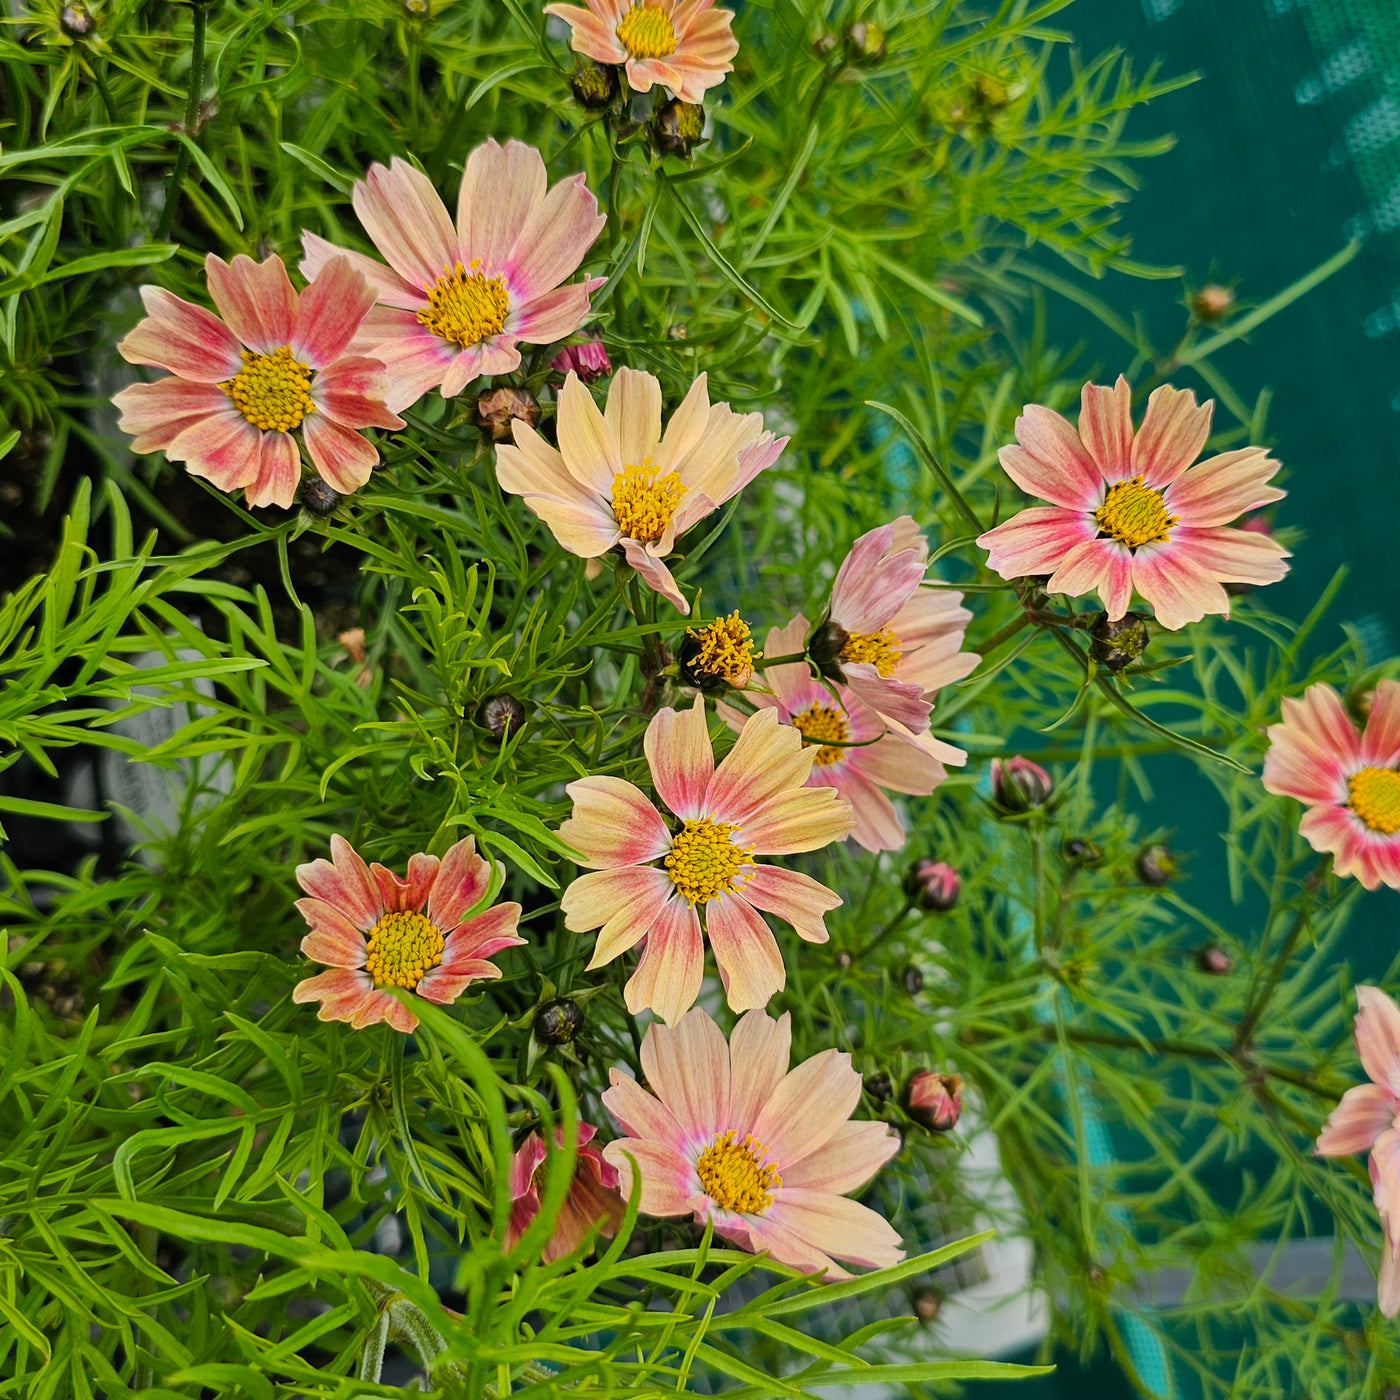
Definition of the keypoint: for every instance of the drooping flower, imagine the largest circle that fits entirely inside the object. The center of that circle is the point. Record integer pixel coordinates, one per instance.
(684, 45)
(374, 930)
(1368, 1119)
(616, 480)
(455, 300)
(271, 374)
(1349, 781)
(729, 1134)
(753, 804)
(854, 750)
(893, 642)
(1129, 512)
(592, 1199)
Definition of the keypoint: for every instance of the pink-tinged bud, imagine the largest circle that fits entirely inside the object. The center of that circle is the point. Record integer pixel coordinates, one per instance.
(1214, 960)
(1018, 785)
(932, 885)
(1211, 302)
(498, 409)
(589, 361)
(934, 1100)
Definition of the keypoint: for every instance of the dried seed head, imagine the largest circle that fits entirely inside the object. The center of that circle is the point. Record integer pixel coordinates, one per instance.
(502, 715)
(678, 127)
(557, 1022)
(319, 498)
(498, 410)
(1118, 644)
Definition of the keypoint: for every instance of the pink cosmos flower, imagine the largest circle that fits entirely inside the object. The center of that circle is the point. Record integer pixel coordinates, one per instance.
(685, 45)
(729, 1134)
(616, 480)
(894, 643)
(276, 364)
(880, 758)
(753, 803)
(589, 360)
(1129, 512)
(455, 301)
(374, 930)
(1367, 1120)
(592, 1200)
(1349, 781)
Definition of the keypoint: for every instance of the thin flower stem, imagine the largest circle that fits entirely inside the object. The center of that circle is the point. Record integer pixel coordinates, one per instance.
(1005, 634)
(105, 93)
(884, 933)
(182, 158)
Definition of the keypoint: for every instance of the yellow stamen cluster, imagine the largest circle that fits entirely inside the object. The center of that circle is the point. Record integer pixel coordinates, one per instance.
(821, 724)
(1375, 798)
(646, 32)
(1134, 514)
(878, 648)
(644, 500)
(466, 306)
(703, 861)
(272, 391)
(735, 1175)
(722, 651)
(402, 949)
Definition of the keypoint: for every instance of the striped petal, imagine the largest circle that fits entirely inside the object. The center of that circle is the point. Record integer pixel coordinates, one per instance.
(681, 758)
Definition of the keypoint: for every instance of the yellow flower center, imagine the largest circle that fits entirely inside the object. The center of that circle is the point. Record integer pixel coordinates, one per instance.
(820, 724)
(1375, 798)
(1134, 514)
(646, 32)
(466, 306)
(643, 501)
(724, 650)
(272, 391)
(735, 1175)
(402, 949)
(878, 648)
(703, 860)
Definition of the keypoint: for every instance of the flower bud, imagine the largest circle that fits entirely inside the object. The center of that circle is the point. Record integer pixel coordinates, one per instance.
(1211, 302)
(1018, 785)
(1118, 644)
(497, 410)
(927, 1305)
(589, 361)
(416, 9)
(932, 885)
(1156, 865)
(879, 1086)
(502, 715)
(1214, 960)
(76, 21)
(910, 978)
(319, 498)
(718, 656)
(824, 45)
(934, 1100)
(865, 40)
(678, 127)
(557, 1022)
(825, 647)
(1078, 851)
(594, 87)
(843, 958)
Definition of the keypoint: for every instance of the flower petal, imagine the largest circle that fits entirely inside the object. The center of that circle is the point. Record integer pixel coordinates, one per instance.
(672, 967)
(389, 288)
(1104, 566)
(256, 300)
(623, 903)
(801, 819)
(1178, 588)
(556, 237)
(654, 574)
(759, 1050)
(667, 1177)
(1172, 435)
(460, 884)
(1380, 743)
(687, 1067)
(806, 1109)
(767, 759)
(1233, 556)
(1378, 1036)
(1106, 427)
(750, 965)
(351, 390)
(407, 221)
(613, 824)
(329, 313)
(226, 449)
(1035, 541)
(156, 414)
(333, 939)
(641, 1114)
(502, 186)
(344, 457)
(586, 442)
(482, 936)
(839, 1227)
(279, 471)
(847, 1160)
(796, 898)
(681, 758)
(1364, 1113)
(633, 412)
(345, 883)
(1223, 488)
(184, 338)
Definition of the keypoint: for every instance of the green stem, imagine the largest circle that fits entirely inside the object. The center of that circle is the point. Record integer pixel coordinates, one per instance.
(1004, 635)
(884, 933)
(182, 158)
(105, 93)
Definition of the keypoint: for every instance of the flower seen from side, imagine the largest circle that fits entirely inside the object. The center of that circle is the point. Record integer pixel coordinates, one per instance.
(589, 360)
(266, 381)
(651, 882)
(718, 656)
(729, 1134)
(456, 299)
(1349, 781)
(592, 1199)
(375, 930)
(1019, 785)
(1129, 513)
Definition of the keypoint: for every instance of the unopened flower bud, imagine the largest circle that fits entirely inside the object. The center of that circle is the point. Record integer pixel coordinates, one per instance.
(557, 1022)
(502, 715)
(1359, 704)
(1018, 785)
(594, 87)
(933, 1100)
(589, 361)
(932, 885)
(1214, 960)
(1118, 644)
(678, 127)
(927, 1305)
(76, 21)
(1078, 851)
(1156, 865)
(1211, 302)
(910, 978)
(825, 646)
(319, 497)
(718, 656)
(866, 41)
(824, 45)
(879, 1086)
(497, 411)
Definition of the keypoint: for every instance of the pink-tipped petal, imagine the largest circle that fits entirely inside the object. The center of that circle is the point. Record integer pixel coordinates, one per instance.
(460, 884)
(667, 1177)
(225, 449)
(411, 892)
(893, 699)
(759, 1051)
(333, 939)
(643, 1115)
(329, 313)
(1364, 1113)
(407, 221)
(561, 229)
(672, 967)
(1172, 435)
(1223, 488)
(1035, 540)
(687, 1065)
(805, 1110)
(654, 574)
(343, 457)
(1178, 588)
(804, 819)
(681, 758)
(279, 471)
(550, 316)
(1380, 743)
(750, 965)
(1106, 427)
(613, 824)
(256, 300)
(184, 338)
(846, 1161)
(501, 186)
(1378, 1037)
(767, 759)
(1101, 566)
(1077, 489)
(482, 936)
(345, 883)
(389, 288)
(623, 904)
(156, 414)
(415, 360)
(351, 390)
(842, 1228)
(1233, 556)
(795, 898)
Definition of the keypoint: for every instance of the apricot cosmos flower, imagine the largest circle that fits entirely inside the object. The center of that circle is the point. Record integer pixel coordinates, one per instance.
(375, 930)
(1368, 1119)
(454, 301)
(1129, 511)
(272, 364)
(855, 750)
(1349, 781)
(616, 480)
(592, 1200)
(753, 804)
(729, 1134)
(685, 45)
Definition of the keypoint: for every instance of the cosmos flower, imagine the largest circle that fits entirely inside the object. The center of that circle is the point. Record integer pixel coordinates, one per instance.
(730, 1135)
(592, 1199)
(651, 883)
(877, 760)
(267, 378)
(1349, 781)
(684, 45)
(589, 360)
(375, 930)
(615, 479)
(1129, 512)
(454, 301)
